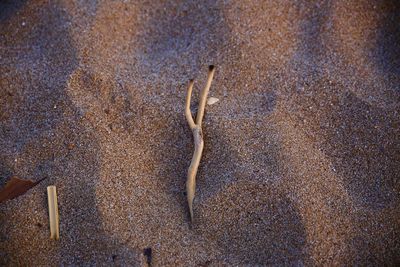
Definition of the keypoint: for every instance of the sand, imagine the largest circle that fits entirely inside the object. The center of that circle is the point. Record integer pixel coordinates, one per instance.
(301, 160)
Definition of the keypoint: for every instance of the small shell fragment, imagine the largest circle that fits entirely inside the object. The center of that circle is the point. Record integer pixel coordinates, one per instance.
(212, 101)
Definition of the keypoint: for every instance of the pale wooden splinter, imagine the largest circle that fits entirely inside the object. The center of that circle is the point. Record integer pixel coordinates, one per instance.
(53, 212)
(197, 136)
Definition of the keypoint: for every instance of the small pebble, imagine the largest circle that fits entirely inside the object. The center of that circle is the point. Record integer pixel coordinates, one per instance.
(71, 146)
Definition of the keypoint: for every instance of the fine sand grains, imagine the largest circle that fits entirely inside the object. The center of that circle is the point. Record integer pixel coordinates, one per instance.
(300, 163)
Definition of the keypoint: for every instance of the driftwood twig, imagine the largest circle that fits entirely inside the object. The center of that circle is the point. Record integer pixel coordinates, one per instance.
(53, 212)
(197, 136)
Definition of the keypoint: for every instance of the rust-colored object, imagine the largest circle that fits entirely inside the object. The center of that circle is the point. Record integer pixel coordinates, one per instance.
(16, 187)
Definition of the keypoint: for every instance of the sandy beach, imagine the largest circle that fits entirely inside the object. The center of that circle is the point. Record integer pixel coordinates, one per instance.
(301, 165)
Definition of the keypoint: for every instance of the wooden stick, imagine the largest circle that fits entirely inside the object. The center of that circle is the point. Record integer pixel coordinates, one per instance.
(188, 114)
(53, 212)
(197, 137)
(203, 95)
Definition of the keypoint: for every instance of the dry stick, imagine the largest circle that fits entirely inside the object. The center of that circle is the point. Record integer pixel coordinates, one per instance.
(197, 136)
(53, 212)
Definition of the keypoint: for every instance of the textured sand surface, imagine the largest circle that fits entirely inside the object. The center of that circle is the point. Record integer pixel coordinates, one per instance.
(302, 152)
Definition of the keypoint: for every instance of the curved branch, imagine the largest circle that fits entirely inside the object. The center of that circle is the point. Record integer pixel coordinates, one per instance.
(197, 137)
(203, 95)
(194, 165)
(188, 114)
